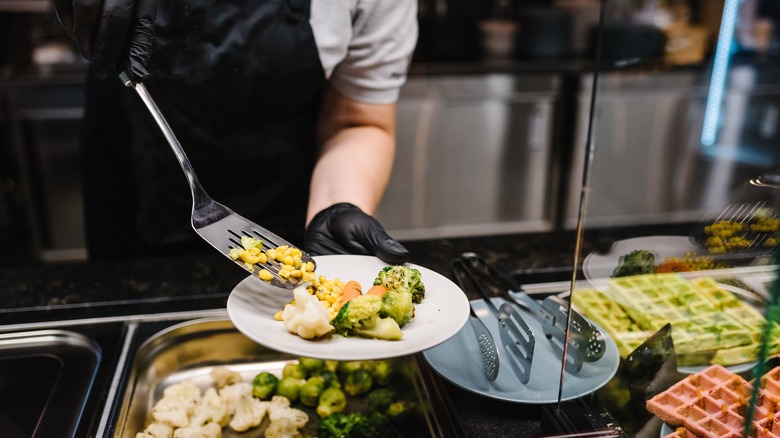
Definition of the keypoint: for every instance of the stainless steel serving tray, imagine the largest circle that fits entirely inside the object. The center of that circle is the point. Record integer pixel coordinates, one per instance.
(46, 377)
(190, 350)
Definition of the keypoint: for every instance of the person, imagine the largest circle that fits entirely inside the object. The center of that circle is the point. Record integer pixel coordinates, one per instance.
(286, 109)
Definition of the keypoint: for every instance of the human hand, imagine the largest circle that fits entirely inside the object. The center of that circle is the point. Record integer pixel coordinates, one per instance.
(116, 35)
(345, 229)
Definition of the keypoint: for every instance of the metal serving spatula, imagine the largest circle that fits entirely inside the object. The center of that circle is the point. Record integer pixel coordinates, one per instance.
(517, 339)
(218, 225)
(586, 340)
(487, 346)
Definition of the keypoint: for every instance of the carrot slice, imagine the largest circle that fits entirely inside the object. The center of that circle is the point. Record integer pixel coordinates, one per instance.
(351, 290)
(377, 290)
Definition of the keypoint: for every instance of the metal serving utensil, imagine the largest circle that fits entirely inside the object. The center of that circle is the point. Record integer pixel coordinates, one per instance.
(517, 339)
(586, 340)
(487, 346)
(217, 224)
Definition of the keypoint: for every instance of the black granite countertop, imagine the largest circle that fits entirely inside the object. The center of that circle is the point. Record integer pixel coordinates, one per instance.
(57, 292)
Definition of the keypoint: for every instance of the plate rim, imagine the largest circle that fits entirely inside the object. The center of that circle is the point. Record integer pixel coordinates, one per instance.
(457, 314)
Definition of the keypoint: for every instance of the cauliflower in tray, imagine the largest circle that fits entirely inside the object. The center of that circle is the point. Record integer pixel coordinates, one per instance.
(249, 411)
(224, 377)
(305, 315)
(156, 430)
(211, 409)
(177, 404)
(208, 430)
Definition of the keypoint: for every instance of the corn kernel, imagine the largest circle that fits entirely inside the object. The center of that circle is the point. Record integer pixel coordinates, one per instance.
(266, 275)
(278, 315)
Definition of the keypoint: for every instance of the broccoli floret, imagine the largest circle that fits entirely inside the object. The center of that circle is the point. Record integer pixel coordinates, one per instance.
(375, 425)
(293, 370)
(311, 390)
(290, 387)
(637, 262)
(358, 382)
(360, 316)
(356, 425)
(310, 366)
(264, 385)
(402, 278)
(331, 401)
(338, 425)
(381, 371)
(398, 306)
(381, 398)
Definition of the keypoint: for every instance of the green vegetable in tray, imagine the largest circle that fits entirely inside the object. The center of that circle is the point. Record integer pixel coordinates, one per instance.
(401, 410)
(637, 262)
(381, 398)
(349, 366)
(309, 393)
(358, 382)
(381, 371)
(356, 425)
(290, 387)
(294, 370)
(331, 401)
(331, 379)
(404, 279)
(264, 385)
(310, 366)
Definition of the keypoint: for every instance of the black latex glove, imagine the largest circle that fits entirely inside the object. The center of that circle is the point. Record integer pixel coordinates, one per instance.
(116, 35)
(346, 229)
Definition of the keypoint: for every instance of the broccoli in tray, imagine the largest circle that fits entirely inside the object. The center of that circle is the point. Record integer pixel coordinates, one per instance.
(638, 262)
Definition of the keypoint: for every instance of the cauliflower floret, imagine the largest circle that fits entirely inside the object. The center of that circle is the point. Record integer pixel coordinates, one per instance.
(208, 430)
(156, 430)
(282, 428)
(177, 404)
(279, 409)
(249, 411)
(232, 393)
(211, 409)
(224, 377)
(305, 315)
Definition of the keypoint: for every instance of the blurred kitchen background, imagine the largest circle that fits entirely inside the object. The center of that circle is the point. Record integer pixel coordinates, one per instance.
(492, 124)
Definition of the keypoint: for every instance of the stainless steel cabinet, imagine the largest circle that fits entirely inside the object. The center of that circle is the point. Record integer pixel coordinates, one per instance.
(474, 156)
(650, 165)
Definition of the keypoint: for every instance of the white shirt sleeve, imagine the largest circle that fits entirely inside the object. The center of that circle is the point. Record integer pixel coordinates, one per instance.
(365, 46)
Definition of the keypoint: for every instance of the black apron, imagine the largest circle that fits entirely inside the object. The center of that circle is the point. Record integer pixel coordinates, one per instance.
(240, 83)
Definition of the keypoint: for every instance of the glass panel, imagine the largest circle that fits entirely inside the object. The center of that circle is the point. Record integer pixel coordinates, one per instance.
(678, 215)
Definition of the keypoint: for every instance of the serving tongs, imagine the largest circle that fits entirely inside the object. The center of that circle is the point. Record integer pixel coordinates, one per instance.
(517, 339)
(487, 346)
(586, 342)
(217, 224)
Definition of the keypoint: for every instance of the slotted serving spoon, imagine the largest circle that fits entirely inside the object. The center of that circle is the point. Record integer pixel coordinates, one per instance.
(217, 224)
(586, 340)
(487, 346)
(517, 339)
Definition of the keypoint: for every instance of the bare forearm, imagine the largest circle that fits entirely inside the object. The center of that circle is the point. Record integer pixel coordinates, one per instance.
(356, 150)
(354, 167)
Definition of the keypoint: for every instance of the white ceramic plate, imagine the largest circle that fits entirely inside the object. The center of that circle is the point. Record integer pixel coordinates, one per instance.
(458, 361)
(597, 265)
(443, 312)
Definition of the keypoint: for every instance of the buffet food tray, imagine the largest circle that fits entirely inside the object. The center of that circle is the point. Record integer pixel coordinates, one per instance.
(46, 377)
(192, 349)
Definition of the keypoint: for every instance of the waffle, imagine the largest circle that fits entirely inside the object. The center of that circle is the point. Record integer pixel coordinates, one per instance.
(710, 325)
(713, 403)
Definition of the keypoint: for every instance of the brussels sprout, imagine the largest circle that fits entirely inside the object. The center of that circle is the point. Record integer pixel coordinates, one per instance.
(332, 400)
(380, 399)
(290, 387)
(358, 382)
(311, 390)
(312, 367)
(264, 385)
(381, 371)
(293, 370)
(349, 366)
